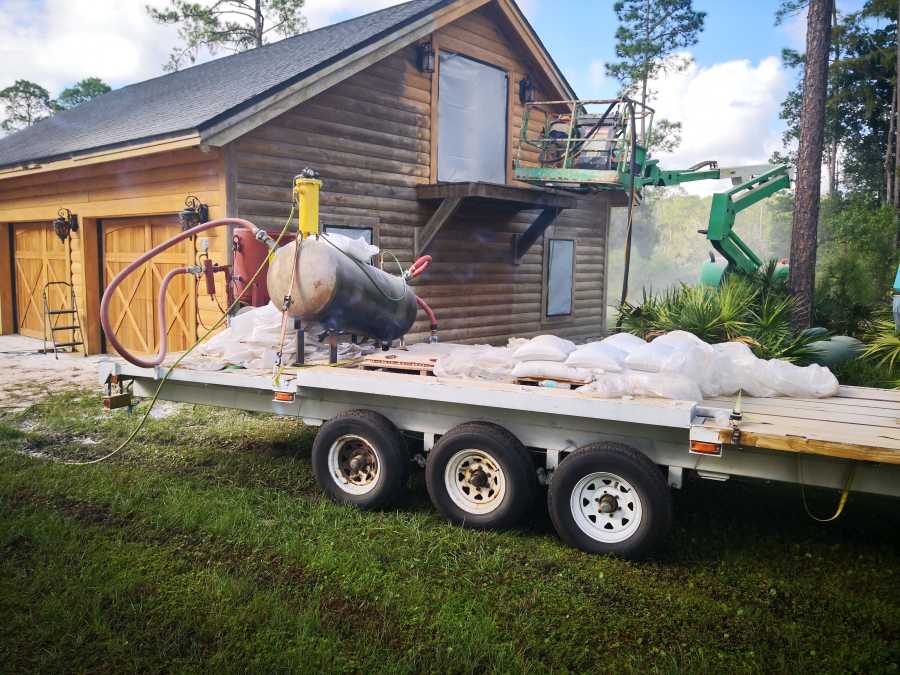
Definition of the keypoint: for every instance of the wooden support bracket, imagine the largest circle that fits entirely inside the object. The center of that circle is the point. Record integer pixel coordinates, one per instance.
(521, 243)
(425, 235)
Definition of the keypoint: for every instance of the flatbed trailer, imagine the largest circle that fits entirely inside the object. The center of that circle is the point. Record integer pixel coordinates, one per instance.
(609, 463)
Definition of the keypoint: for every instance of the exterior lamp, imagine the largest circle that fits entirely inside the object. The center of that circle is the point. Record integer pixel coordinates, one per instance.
(425, 54)
(194, 213)
(526, 90)
(66, 222)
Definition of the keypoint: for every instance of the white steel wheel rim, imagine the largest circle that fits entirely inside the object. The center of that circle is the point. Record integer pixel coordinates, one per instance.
(354, 464)
(606, 507)
(475, 481)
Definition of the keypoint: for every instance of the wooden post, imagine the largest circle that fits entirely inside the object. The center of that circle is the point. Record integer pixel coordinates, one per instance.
(86, 254)
(7, 299)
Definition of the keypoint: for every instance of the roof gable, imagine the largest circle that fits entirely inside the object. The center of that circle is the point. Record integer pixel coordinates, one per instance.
(223, 98)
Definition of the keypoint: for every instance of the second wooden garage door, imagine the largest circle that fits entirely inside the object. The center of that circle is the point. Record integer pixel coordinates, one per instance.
(133, 307)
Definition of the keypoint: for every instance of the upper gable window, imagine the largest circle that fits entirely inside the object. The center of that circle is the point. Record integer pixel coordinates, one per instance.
(472, 106)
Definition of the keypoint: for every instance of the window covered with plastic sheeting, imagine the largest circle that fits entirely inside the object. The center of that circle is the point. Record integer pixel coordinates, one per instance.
(560, 277)
(472, 106)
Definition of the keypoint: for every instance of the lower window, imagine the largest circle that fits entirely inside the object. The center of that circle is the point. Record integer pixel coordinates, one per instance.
(560, 277)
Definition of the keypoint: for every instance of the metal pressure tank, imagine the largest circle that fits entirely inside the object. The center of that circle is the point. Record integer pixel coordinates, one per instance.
(341, 292)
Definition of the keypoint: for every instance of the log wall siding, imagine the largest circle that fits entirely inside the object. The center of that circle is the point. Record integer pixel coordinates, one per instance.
(152, 185)
(372, 139)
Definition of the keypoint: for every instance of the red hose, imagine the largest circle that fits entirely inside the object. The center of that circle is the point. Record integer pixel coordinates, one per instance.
(419, 266)
(431, 317)
(161, 300)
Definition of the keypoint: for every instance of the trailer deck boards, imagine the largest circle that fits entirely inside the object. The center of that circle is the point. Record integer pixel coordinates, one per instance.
(859, 423)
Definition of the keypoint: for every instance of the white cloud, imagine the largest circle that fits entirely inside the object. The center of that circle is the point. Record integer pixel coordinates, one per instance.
(58, 42)
(596, 76)
(728, 112)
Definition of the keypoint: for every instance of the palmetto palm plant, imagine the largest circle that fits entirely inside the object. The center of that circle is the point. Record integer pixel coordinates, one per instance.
(753, 309)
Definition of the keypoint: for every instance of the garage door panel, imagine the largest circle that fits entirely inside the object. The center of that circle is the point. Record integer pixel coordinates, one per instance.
(133, 306)
(40, 257)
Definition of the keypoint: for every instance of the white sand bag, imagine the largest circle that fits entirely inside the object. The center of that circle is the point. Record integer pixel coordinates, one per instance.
(552, 370)
(597, 356)
(665, 385)
(651, 357)
(813, 381)
(608, 385)
(544, 348)
(493, 364)
(625, 342)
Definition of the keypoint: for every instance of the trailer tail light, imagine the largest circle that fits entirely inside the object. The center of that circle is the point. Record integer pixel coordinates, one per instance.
(284, 397)
(706, 448)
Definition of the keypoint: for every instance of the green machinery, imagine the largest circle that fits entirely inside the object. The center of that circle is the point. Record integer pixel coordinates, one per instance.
(596, 145)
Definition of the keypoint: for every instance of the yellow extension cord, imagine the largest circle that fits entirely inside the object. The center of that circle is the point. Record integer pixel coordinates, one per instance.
(842, 502)
(209, 332)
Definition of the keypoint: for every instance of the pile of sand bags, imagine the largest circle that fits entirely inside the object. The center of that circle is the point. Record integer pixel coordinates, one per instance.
(677, 365)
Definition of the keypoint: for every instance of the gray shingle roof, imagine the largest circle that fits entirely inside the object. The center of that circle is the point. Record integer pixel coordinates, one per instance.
(192, 98)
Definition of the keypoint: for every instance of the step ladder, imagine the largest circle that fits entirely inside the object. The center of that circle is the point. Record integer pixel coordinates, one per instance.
(61, 320)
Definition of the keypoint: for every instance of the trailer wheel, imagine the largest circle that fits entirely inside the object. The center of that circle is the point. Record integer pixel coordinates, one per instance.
(359, 459)
(479, 475)
(609, 498)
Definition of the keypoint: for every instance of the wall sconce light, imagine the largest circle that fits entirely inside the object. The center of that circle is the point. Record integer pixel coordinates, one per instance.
(194, 213)
(425, 54)
(66, 222)
(526, 90)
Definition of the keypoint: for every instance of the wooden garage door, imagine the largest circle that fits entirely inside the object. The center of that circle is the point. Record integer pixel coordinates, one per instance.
(40, 257)
(133, 307)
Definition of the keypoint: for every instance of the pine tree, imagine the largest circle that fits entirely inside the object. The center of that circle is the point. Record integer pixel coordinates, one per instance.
(809, 161)
(234, 25)
(25, 104)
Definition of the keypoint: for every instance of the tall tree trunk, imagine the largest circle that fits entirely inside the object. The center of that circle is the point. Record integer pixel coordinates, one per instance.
(896, 176)
(835, 126)
(809, 161)
(888, 192)
(259, 27)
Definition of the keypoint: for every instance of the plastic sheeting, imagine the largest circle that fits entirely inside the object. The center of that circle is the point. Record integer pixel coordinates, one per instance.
(472, 101)
(252, 338)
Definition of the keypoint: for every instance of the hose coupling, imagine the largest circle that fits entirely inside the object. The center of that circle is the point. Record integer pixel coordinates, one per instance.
(264, 237)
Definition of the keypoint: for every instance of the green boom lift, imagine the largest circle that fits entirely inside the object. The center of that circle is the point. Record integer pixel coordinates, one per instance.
(588, 146)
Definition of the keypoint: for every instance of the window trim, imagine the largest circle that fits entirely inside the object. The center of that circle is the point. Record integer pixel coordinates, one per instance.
(555, 319)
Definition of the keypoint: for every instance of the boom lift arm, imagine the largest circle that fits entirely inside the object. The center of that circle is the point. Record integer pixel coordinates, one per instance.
(726, 205)
(586, 151)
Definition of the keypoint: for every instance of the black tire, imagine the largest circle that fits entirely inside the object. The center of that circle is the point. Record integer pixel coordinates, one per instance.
(632, 467)
(506, 452)
(379, 437)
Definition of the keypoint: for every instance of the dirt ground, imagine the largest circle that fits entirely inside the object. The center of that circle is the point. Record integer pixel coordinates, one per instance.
(26, 374)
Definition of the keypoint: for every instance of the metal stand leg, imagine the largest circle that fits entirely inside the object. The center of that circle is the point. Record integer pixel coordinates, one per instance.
(301, 343)
(332, 349)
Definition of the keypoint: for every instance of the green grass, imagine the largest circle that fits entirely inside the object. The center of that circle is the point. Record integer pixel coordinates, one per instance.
(206, 546)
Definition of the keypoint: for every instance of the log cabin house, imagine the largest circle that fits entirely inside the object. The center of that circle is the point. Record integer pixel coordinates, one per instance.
(410, 114)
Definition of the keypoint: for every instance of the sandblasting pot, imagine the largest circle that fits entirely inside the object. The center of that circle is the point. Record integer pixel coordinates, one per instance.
(341, 293)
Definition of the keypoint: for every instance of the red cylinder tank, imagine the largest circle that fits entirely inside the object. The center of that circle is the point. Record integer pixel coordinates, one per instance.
(248, 253)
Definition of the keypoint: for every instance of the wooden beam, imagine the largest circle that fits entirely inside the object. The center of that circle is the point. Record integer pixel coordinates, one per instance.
(87, 254)
(521, 243)
(425, 235)
(513, 195)
(7, 300)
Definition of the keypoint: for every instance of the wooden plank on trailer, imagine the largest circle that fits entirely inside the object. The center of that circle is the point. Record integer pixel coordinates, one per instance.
(807, 410)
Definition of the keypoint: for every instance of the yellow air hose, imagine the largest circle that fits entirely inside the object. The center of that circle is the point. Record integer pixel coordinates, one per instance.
(209, 332)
